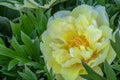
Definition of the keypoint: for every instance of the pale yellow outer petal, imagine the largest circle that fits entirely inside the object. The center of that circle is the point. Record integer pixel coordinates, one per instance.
(102, 18)
(111, 55)
(59, 77)
(70, 73)
(54, 65)
(61, 14)
(106, 31)
(80, 78)
(88, 11)
(44, 46)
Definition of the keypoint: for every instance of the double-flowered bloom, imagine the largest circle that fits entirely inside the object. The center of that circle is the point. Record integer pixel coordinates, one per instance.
(82, 34)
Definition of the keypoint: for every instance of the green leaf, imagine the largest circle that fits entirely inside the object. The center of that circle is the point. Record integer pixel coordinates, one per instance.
(11, 73)
(41, 20)
(35, 65)
(12, 63)
(116, 44)
(117, 2)
(22, 61)
(5, 30)
(50, 75)
(112, 20)
(32, 47)
(24, 76)
(28, 43)
(16, 30)
(18, 48)
(116, 67)
(26, 24)
(101, 2)
(36, 49)
(2, 42)
(92, 75)
(28, 74)
(9, 5)
(4, 61)
(7, 52)
(109, 72)
(30, 4)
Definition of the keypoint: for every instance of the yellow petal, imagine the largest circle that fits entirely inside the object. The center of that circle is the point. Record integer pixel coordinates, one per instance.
(71, 62)
(80, 78)
(54, 65)
(111, 55)
(59, 77)
(84, 9)
(102, 18)
(75, 52)
(70, 73)
(44, 46)
(93, 34)
(62, 14)
(86, 54)
(61, 30)
(106, 31)
(81, 24)
(61, 55)
(102, 56)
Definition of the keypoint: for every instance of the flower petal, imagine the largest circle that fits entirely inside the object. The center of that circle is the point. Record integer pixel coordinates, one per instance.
(93, 34)
(65, 29)
(102, 56)
(98, 70)
(81, 24)
(54, 65)
(102, 18)
(70, 73)
(75, 52)
(61, 14)
(59, 77)
(71, 62)
(61, 56)
(44, 46)
(88, 11)
(86, 54)
(106, 31)
(111, 55)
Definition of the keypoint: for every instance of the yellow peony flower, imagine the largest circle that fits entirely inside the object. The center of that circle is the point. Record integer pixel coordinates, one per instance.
(74, 36)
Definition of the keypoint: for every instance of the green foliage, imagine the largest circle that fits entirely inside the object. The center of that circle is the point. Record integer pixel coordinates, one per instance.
(24, 48)
(116, 66)
(109, 72)
(5, 30)
(20, 36)
(50, 75)
(115, 44)
(92, 75)
(28, 74)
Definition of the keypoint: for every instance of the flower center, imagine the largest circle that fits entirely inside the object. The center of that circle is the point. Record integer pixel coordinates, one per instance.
(77, 41)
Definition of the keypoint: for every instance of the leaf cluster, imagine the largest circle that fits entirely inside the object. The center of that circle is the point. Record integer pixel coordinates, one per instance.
(20, 36)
